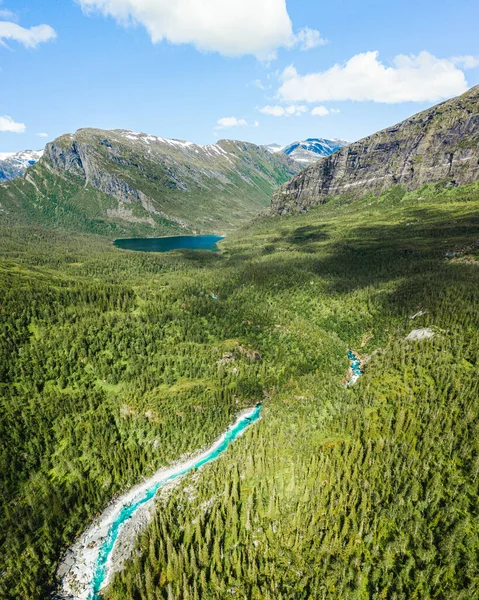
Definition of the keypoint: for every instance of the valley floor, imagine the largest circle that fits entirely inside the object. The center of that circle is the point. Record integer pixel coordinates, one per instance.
(117, 363)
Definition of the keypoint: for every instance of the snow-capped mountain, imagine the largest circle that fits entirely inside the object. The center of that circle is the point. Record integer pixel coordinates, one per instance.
(14, 164)
(273, 148)
(310, 150)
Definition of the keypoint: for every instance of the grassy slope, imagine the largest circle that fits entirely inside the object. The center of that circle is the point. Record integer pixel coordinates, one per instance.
(67, 204)
(211, 206)
(361, 493)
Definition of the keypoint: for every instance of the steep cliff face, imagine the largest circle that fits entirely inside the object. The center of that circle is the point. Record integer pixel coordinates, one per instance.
(438, 145)
(123, 182)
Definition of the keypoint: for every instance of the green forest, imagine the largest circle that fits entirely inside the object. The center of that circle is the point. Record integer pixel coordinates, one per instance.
(115, 363)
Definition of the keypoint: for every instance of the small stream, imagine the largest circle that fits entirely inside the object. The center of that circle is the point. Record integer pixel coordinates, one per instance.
(355, 368)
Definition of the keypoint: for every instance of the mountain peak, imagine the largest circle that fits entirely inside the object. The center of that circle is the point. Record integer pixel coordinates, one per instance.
(118, 182)
(310, 150)
(14, 164)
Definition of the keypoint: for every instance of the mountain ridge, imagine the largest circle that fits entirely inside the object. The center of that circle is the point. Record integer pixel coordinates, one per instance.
(312, 149)
(438, 145)
(121, 182)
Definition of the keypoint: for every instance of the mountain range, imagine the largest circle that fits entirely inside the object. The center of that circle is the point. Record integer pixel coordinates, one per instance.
(121, 182)
(14, 164)
(439, 145)
(309, 151)
(127, 183)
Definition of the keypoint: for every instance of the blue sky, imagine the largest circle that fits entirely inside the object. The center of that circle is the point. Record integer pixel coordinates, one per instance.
(258, 70)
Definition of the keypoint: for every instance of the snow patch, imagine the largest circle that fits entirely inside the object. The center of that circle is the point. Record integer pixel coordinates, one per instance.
(210, 150)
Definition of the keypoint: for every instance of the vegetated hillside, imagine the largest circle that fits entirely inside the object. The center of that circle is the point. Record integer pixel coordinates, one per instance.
(440, 144)
(14, 164)
(117, 362)
(121, 182)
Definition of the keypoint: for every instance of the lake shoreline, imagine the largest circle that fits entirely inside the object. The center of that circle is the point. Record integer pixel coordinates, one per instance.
(205, 242)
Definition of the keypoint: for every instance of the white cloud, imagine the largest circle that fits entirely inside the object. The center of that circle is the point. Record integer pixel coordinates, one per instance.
(309, 38)
(320, 111)
(284, 111)
(42, 134)
(30, 38)
(233, 27)
(8, 124)
(256, 123)
(274, 111)
(230, 122)
(411, 79)
(466, 62)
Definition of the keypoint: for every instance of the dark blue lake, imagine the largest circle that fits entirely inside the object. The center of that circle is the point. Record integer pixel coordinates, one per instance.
(165, 244)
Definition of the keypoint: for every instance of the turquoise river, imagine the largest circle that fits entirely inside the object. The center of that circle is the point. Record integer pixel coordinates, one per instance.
(129, 509)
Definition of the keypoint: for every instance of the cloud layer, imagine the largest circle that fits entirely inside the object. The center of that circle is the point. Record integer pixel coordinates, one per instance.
(8, 124)
(322, 111)
(232, 28)
(410, 79)
(466, 62)
(294, 110)
(30, 38)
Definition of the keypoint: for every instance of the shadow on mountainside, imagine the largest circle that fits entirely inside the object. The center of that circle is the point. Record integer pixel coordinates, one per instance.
(409, 255)
(307, 234)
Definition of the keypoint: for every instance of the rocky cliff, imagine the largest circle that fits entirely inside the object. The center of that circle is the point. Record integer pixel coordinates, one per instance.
(122, 182)
(440, 144)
